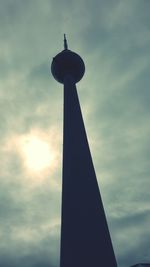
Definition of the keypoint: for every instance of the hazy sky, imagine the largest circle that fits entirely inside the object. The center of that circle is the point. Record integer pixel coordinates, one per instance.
(113, 38)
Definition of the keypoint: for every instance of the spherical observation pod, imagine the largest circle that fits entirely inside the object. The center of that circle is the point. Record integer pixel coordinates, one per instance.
(67, 63)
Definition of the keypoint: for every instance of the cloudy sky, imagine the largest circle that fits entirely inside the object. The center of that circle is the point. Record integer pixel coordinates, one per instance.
(113, 38)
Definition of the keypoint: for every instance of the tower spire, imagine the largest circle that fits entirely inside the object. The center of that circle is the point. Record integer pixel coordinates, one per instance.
(65, 43)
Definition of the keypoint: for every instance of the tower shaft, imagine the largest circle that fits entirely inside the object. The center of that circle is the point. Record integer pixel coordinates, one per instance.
(85, 238)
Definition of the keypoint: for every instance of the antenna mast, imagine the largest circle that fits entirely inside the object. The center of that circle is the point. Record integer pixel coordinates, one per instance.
(65, 43)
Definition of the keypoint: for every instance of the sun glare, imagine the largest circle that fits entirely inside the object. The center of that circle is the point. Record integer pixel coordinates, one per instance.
(38, 154)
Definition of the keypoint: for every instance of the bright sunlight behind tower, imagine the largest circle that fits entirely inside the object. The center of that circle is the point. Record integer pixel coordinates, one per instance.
(38, 154)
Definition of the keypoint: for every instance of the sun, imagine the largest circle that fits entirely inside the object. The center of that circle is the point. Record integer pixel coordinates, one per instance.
(37, 153)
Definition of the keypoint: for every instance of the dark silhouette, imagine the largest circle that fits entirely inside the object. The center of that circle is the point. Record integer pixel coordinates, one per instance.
(85, 238)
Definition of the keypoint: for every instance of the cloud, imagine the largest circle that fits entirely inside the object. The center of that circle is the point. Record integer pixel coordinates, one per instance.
(113, 38)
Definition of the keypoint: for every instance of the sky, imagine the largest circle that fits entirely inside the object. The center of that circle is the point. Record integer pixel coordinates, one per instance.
(113, 38)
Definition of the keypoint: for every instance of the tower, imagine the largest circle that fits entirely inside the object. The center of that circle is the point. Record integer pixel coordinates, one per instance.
(85, 238)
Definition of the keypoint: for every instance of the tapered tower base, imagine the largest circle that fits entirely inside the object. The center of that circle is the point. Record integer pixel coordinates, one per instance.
(85, 238)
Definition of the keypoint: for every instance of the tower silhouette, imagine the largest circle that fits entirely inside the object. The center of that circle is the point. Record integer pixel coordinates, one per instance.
(85, 238)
